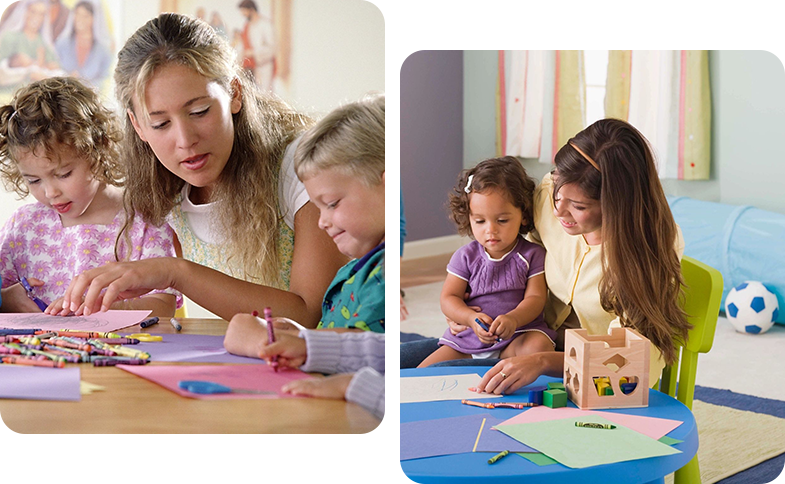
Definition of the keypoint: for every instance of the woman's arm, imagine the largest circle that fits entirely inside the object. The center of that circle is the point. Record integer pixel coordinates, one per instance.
(510, 374)
(314, 264)
(162, 305)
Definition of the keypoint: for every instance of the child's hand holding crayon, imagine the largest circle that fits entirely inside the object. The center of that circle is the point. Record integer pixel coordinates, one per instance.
(290, 349)
(481, 326)
(15, 298)
(246, 337)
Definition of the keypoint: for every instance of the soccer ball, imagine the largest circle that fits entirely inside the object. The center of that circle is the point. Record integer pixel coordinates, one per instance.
(751, 308)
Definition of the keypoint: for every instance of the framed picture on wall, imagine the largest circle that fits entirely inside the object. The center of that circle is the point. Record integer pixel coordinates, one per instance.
(44, 38)
(260, 31)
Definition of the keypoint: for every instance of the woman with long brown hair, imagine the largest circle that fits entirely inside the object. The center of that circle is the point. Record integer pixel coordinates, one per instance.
(613, 250)
(612, 254)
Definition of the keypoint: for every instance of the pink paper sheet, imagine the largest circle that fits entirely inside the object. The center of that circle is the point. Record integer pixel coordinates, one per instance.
(651, 426)
(105, 322)
(246, 377)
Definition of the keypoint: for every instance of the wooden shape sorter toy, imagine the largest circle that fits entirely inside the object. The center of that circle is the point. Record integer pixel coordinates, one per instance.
(606, 370)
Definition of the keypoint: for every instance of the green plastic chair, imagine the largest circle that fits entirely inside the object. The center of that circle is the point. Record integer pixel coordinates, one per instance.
(703, 293)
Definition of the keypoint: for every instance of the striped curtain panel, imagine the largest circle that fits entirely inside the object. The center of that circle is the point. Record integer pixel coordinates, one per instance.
(540, 102)
(666, 95)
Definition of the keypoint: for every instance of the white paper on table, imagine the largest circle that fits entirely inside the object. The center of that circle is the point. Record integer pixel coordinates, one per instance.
(104, 322)
(441, 387)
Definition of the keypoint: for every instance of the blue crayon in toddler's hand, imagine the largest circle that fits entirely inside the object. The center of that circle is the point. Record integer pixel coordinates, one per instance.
(485, 327)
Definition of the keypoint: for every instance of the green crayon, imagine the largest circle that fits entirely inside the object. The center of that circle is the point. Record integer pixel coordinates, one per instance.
(498, 456)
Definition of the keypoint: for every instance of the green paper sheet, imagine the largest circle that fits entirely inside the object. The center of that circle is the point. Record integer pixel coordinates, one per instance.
(539, 459)
(579, 447)
(669, 440)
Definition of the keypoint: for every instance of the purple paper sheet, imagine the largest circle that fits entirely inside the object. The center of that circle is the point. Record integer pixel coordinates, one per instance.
(443, 436)
(198, 348)
(33, 383)
(496, 441)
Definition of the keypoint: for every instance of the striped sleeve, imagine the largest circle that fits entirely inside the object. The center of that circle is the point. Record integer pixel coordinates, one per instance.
(367, 390)
(331, 352)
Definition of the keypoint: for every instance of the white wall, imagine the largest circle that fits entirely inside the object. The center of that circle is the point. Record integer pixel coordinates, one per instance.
(337, 56)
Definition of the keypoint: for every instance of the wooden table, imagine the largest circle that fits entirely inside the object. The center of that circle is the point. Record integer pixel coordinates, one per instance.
(130, 404)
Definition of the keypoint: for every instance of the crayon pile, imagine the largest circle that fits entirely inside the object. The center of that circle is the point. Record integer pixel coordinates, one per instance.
(53, 349)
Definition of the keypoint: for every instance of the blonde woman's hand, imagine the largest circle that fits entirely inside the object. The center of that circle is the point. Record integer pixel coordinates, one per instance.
(120, 280)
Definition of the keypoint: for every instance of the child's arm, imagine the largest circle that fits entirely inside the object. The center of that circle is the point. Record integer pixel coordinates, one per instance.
(532, 305)
(455, 308)
(15, 298)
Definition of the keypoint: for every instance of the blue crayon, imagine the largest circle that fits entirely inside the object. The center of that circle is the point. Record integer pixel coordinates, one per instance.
(7, 331)
(149, 322)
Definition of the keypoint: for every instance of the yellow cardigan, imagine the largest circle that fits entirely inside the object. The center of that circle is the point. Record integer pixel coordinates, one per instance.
(573, 270)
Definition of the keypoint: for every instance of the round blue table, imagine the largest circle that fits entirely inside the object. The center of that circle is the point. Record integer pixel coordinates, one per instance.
(473, 467)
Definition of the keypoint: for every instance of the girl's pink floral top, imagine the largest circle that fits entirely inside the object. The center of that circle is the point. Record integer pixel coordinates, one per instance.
(35, 244)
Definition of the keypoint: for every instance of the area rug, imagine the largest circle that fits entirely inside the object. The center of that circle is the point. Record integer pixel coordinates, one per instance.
(733, 440)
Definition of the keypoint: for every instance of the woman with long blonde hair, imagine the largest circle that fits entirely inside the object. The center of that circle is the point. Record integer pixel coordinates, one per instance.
(212, 155)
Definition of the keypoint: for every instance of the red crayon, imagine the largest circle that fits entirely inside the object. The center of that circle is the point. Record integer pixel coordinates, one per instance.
(18, 360)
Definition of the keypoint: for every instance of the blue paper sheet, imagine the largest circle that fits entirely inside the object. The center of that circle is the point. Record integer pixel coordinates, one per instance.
(443, 436)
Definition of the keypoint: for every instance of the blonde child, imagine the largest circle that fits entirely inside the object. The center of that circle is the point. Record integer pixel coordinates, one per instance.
(58, 143)
(341, 163)
(502, 272)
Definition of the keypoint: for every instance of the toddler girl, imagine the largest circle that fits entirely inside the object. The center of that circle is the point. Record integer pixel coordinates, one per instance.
(502, 273)
(59, 143)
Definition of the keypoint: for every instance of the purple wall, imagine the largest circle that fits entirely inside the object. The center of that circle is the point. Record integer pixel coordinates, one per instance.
(431, 139)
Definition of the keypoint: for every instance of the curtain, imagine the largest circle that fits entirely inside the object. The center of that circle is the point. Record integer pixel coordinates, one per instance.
(667, 96)
(540, 102)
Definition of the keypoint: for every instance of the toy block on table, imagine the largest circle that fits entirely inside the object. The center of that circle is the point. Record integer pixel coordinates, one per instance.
(606, 371)
(554, 398)
(535, 395)
(555, 385)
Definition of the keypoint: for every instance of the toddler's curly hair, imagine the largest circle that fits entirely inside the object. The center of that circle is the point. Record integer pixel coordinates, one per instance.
(504, 174)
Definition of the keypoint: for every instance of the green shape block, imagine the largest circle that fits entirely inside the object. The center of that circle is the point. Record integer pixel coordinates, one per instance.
(608, 390)
(554, 398)
(555, 385)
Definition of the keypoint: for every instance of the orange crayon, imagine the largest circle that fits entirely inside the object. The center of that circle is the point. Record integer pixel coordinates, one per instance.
(18, 360)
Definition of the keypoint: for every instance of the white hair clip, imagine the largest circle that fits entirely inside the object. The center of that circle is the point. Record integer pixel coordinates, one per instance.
(468, 187)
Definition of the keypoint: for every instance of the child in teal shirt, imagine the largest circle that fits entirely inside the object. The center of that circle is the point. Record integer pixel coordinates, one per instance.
(341, 163)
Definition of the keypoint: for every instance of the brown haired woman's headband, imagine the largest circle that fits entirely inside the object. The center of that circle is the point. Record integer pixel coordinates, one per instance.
(593, 163)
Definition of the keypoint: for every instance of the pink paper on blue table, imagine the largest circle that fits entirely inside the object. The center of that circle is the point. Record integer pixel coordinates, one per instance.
(240, 377)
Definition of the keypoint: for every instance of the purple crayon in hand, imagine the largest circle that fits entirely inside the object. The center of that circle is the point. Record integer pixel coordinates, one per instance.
(38, 302)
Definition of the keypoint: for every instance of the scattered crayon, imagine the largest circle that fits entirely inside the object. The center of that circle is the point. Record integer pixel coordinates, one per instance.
(592, 425)
(149, 322)
(20, 360)
(118, 361)
(477, 404)
(498, 456)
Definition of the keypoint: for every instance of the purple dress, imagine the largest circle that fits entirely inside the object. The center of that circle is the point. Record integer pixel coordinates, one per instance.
(497, 286)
